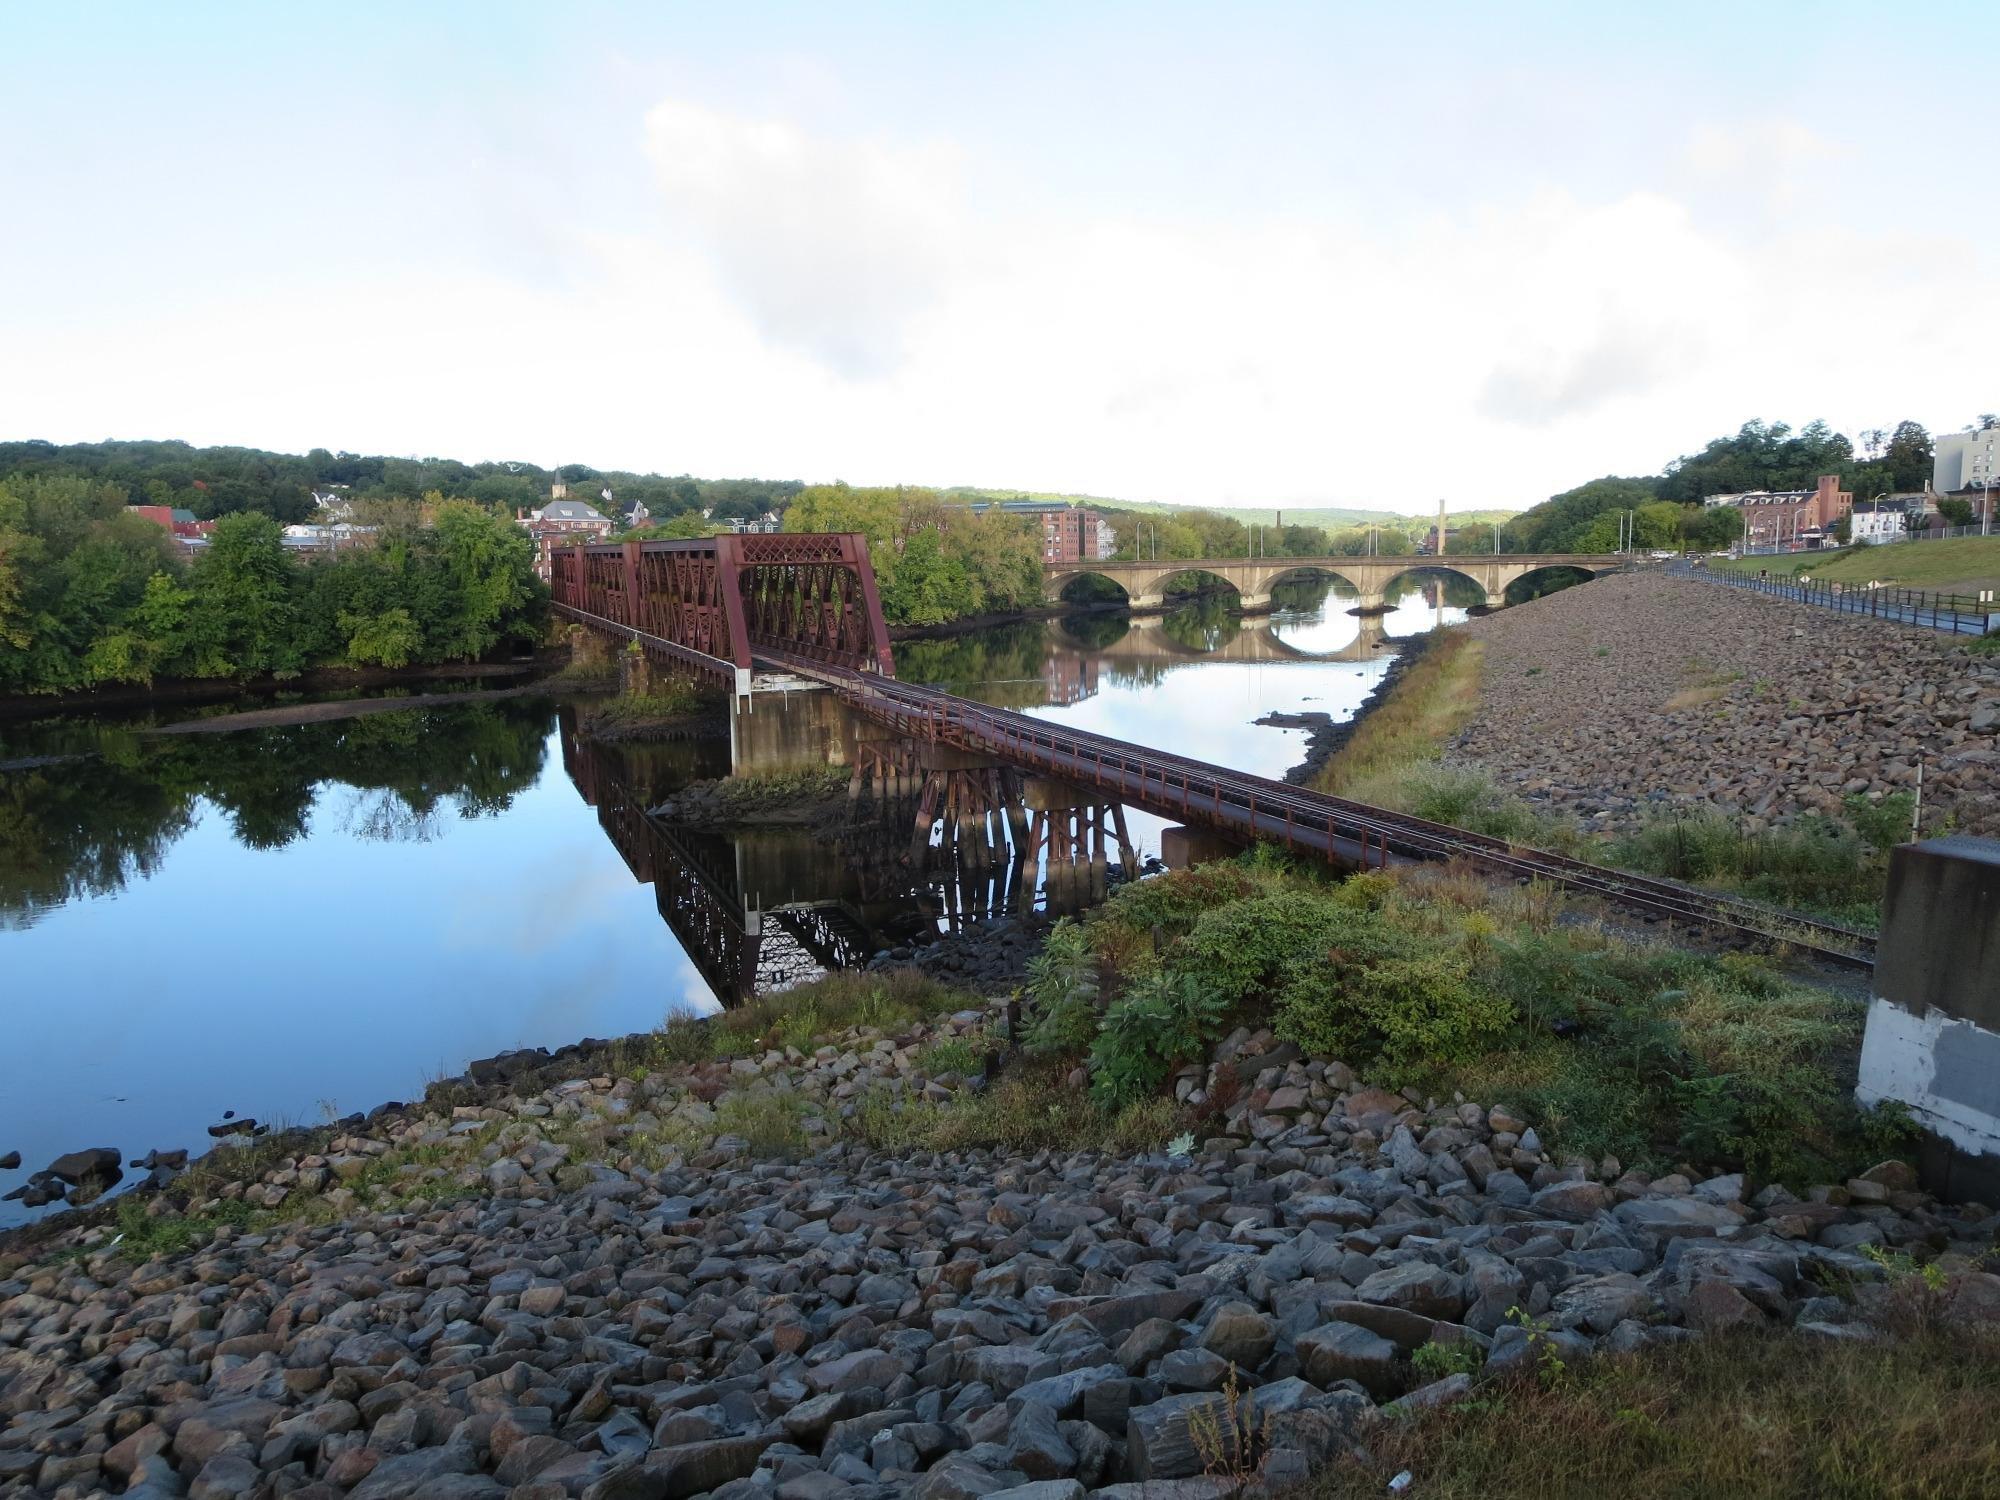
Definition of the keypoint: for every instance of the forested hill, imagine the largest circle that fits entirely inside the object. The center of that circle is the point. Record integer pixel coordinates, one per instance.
(1757, 456)
(223, 481)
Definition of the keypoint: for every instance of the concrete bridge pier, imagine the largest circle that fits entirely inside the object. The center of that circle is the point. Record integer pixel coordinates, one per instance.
(1370, 604)
(1254, 603)
(1496, 598)
(788, 724)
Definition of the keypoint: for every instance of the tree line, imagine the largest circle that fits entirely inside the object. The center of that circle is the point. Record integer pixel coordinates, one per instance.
(222, 481)
(934, 561)
(1667, 507)
(92, 593)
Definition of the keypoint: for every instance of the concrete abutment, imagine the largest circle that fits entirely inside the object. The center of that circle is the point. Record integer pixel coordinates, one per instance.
(1933, 1037)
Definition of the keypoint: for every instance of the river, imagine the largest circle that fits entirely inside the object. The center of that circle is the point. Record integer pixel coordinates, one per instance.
(292, 924)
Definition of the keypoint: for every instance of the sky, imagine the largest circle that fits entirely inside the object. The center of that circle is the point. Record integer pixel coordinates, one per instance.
(1251, 254)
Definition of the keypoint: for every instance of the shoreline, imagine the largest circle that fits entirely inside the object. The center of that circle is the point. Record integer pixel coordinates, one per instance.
(186, 690)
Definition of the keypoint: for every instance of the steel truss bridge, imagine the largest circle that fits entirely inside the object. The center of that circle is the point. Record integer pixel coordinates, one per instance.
(819, 617)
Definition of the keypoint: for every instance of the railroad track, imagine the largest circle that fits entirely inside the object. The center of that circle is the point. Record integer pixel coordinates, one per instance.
(1259, 808)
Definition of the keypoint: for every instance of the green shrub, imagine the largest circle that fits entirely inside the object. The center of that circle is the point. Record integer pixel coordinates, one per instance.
(1233, 950)
(1062, 980)
(1173, 902)
(1407, 1013)
(1161, 1022)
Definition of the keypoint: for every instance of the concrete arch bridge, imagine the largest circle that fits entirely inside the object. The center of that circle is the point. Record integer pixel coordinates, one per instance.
(1144, 583)
(1148, 640)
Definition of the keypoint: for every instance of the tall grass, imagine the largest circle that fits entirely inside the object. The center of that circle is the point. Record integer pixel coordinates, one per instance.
(1431, 701)
(1752, 1418)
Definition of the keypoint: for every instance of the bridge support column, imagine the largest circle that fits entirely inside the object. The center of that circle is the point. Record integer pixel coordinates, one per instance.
(1370, 604)
(1496, 598)
(1183, 848)
(635, 674)
(1254, 604)
(784, 725)
(1154, 600)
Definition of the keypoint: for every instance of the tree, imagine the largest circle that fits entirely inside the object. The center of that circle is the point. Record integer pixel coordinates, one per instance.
(928, 587)
(1908, 457)
(244, 616)
(1955, 512)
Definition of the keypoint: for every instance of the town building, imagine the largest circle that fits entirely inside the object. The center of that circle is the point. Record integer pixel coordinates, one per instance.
(1069, 533)
(1780, 518)
(561, 523)
(1962, 461)
(1873, 522)
(189, 534)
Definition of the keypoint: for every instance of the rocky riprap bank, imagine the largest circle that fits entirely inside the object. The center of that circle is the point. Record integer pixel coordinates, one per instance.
(626, 1303)
(1782, 709)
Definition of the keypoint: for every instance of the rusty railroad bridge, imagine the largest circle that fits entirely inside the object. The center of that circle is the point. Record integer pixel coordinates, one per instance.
(791, 624)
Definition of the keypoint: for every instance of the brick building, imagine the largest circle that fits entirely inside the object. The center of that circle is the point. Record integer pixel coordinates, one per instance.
(1069, 534)
(1781, 517)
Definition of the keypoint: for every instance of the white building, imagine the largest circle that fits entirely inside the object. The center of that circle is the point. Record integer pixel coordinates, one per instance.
(1870, 528)
(1966, 460)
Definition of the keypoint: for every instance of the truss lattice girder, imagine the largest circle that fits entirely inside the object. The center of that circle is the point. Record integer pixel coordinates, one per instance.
(809, 594)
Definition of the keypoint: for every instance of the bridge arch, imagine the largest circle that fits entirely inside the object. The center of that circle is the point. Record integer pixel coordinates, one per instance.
(1101, 587)
(1304, 570)
(1442, 568)
(1549, 579)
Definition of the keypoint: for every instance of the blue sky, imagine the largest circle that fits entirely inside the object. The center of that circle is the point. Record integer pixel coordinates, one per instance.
(1249, 254)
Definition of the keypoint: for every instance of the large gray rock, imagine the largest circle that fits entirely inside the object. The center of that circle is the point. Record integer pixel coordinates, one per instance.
(1241, 1335)
(1345, 1351)
(1418, 1287)
(1172, 1438)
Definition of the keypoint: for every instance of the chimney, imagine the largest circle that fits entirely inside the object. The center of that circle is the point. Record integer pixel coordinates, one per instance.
(1440, 540)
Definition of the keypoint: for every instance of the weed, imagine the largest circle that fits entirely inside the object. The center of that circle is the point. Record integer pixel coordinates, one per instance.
(1437, 1361)
(1063, 981)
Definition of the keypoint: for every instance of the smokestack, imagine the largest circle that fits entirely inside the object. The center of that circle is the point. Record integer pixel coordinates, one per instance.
(1440, 541)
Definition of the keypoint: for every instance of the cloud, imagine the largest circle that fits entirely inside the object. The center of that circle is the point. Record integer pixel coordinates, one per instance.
(831, 245)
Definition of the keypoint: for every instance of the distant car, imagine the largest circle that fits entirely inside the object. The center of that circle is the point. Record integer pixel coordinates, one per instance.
(1665, 556)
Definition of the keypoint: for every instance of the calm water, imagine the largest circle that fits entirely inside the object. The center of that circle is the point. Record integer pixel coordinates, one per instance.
(307, 921)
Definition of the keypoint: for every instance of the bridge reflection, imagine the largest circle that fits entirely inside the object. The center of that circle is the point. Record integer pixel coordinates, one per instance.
(762, 910)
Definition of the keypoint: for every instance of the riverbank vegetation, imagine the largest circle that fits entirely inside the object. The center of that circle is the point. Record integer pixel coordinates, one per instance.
(92, 593)
(1427, 978)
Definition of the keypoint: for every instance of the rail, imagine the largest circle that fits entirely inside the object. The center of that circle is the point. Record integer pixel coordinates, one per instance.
(1255, 807)
(1954, 614)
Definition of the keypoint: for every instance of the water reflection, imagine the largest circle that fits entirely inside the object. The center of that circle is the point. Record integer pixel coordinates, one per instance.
(99, 805)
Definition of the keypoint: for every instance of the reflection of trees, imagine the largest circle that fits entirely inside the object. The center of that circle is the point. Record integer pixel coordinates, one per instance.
(1436, 586)
(1002, 666)
(86, 827)
(1205, 625)
(1093, 632)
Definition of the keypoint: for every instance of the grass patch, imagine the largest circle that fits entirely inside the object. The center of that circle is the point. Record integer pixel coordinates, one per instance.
(1032, 1108)
(1955, 565)
(1824, 866)
(1752, 1418)
(1432, 700)
(804, 1018)
(773, 1122)
(667, 710)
